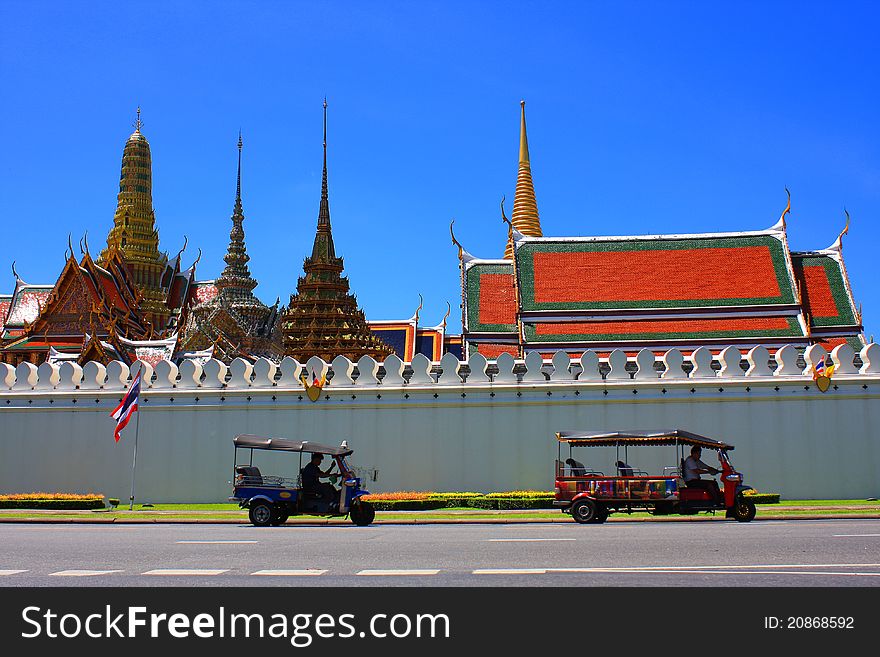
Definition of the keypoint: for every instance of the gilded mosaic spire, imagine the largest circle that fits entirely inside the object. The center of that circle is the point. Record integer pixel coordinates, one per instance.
(134, 232)
(525, 207)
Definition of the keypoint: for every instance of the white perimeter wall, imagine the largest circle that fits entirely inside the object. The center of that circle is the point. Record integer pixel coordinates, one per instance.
(476, 436)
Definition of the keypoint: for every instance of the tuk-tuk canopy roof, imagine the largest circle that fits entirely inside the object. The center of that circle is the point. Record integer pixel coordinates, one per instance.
(655, 437)
(249, 441)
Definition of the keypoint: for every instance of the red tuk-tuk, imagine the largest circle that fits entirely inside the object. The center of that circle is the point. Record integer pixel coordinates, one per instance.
(590, 496)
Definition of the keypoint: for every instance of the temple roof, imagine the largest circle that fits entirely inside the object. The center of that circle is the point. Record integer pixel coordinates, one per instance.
(713, 270)
(26, 303)
(5, 305)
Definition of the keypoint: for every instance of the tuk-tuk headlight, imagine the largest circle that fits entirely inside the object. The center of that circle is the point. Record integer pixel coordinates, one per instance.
(350, 482)
(734, 476)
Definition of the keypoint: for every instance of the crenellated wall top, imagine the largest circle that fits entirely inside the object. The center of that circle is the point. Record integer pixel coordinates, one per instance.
(787, 363)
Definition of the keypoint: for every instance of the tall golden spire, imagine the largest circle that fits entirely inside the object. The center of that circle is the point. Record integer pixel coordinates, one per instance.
(134, 232)
(525, 207)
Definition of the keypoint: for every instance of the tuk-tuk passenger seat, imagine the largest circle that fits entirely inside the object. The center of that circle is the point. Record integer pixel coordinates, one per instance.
(251, 475)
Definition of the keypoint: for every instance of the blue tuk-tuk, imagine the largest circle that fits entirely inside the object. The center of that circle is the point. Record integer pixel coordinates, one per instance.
(271, 500)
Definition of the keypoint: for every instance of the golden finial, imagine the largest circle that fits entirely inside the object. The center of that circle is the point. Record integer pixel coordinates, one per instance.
(523, 140)
(846, 227)
(416, 315)
(455, 242)
(787, 209)
(446, 316)
(137, 123)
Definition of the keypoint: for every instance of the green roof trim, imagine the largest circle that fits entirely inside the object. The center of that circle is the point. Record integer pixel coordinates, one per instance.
(472, 283)
(846, 313)
(793, 330)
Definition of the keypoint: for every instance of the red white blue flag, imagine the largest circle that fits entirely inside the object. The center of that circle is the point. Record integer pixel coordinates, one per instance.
(127, 407)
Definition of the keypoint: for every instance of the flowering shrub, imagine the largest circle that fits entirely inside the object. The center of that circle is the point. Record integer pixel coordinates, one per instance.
(51, 496)
(523, 494)
(52, 501)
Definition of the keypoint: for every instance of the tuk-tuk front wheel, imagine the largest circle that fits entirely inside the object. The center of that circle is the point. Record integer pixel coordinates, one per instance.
(744, 510)
(585, 511)
(261, 514)
(362, 513)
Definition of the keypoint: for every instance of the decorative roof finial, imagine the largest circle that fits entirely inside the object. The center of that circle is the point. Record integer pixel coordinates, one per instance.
(324, 210)
(838, 243)
(455, 242)
(137, 123)
(238, 180)
(446, 316)
(787, 209)
(15, 273)
(70, 244)
(416, 315)
(180, 253)
(86, 240)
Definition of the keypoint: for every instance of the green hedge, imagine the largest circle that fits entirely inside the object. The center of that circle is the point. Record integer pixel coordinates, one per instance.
(66, 505)
(763, 498)
(511, 503)
(409, 505)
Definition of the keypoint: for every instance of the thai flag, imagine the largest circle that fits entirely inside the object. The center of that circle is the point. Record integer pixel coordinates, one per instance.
(820, 368)
(127, 407)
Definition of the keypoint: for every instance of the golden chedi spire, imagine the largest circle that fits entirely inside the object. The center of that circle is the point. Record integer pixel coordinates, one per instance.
(525, 207)
(134, 233)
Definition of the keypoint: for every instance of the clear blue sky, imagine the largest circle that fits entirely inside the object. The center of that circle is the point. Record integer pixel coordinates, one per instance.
(642, 117)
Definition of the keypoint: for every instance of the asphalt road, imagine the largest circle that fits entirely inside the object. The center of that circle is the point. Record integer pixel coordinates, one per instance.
(713, 553)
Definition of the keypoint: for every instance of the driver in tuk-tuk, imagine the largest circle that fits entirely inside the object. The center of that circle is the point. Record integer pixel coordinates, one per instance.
(694, 467)
(311, 476)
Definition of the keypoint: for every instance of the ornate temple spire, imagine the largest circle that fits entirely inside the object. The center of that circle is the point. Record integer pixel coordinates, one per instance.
(323, 318)
(324, 249)
(235, 283)
(525, 207)
(235, 317)
(134, 232)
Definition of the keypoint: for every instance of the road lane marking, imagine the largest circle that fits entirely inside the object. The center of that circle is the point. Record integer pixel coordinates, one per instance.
(215, 542)
(82, 573)
(184, 572)
(709, 568)
(3, 573)
(290, 573)
(526, 540)
(623, 571)
(384, 573)
(852, 535)
(510, 571)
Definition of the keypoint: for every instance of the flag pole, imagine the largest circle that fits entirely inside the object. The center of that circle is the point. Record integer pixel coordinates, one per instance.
(137, 427)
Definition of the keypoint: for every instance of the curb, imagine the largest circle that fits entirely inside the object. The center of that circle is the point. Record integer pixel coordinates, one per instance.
(414, 521)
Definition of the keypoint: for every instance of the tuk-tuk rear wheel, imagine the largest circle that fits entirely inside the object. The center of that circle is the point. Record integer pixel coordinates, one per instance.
(362, 513)
(279, 517)
(261, 514)
(585, 511)
(744, 510)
